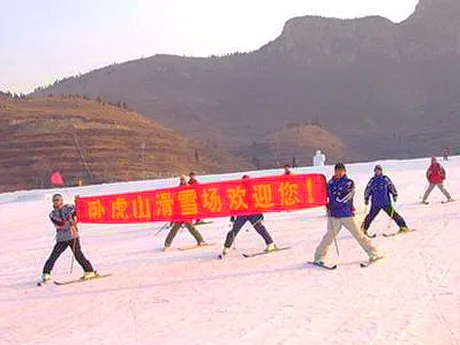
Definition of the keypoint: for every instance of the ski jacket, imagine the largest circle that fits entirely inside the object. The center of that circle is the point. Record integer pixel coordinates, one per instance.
(340, 194)
(64, 222)
(436, 173)
(380, 189)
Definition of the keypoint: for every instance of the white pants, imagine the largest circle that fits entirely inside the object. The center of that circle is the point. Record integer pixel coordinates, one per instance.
(334, 225)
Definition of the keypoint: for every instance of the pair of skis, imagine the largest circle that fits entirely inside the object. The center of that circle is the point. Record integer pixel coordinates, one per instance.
(391, 234)
(252, 255)
(74, 281)
(334, 267)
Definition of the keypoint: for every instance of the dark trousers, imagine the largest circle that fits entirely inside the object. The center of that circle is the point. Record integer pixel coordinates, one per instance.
(59, 248)
(256, 222)
(375, 210)
(175, 229)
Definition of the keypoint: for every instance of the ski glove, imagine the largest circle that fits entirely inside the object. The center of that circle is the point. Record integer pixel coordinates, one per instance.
(366, 202)
(395, 198)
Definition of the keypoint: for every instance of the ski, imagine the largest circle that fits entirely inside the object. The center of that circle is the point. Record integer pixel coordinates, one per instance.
(371, 235)
(182, 249)
(392, 234)
(79, 280)
(447, 201)
(370, 262)
(326, 267)
(43, 283)
(203, 223)
(251, 255)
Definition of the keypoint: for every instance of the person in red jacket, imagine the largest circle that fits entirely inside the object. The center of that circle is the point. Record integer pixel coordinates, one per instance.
(192, 182)
(192, 179)
(436, 176)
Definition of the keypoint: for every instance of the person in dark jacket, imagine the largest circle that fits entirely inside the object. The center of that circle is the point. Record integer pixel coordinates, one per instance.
(381, 190)
(287, 170)
(436, 176)
(340, 193)
(176, 226)
(256, 222)
(192, 179)
(64, 218)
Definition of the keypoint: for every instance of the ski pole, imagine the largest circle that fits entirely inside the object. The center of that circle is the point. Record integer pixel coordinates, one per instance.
(336, 245)
(74, 232)
(163, 227)
(424, 190)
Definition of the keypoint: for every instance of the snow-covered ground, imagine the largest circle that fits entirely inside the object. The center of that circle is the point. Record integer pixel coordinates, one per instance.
(411, 297)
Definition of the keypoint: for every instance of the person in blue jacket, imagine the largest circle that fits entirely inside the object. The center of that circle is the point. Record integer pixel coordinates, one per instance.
(341, 212)
(238, 223)
(381, 190)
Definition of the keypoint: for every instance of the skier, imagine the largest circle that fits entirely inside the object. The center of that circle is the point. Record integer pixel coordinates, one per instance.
(381, 189)
(175, 226)
(341, 190)
(287, 170)
(238, 223)
(192, 181)
(436, 176)
(64, 218)
(446, 153)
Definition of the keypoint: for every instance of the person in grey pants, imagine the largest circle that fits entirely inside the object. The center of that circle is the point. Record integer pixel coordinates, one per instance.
(436, 175)
(176, 226)
(64, 219)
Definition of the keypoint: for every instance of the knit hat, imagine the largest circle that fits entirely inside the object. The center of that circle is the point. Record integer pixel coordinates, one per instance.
(378, 167)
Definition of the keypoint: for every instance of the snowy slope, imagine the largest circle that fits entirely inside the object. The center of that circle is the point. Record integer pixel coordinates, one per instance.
(412, 297)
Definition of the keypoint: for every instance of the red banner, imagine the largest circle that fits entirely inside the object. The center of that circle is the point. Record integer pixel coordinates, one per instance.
(203, 201)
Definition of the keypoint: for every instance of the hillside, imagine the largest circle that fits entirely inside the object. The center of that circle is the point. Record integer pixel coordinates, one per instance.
(384, 89)
(96, 141)
(299, 143)
(411, 297)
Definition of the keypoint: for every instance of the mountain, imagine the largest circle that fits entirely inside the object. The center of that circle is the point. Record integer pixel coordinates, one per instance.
(384, 89)
(94, 140)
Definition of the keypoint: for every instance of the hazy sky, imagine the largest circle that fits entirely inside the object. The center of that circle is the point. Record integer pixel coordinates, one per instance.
(41, 41)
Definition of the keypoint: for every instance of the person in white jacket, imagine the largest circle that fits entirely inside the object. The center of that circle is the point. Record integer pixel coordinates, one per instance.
(319, 159)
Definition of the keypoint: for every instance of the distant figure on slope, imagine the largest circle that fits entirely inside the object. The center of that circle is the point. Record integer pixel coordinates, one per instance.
(381, 190)
(287, 170)
(238, 223)
(319, 159)
(340, 192)
(192, 179)
(445, 154)
(64, 218)
(192, 182)
(436, 176)
(175, 226)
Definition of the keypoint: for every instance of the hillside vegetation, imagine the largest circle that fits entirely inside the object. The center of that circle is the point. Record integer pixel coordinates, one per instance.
(96, 141)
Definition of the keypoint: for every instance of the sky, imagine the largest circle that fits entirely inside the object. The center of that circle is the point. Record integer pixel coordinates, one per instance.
(41, 41)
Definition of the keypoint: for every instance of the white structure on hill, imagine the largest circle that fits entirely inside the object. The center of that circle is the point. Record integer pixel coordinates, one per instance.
(319, 159)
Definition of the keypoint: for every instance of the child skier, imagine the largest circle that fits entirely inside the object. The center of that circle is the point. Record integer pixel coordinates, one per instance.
(256, 222)
(341, 190)
(381, 190)
(175, 226)
(436, 176)
(64, 219)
